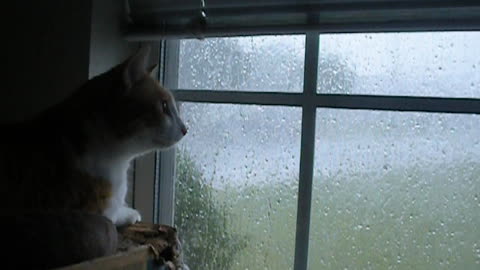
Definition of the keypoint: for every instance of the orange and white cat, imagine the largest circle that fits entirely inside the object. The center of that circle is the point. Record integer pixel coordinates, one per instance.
(75, 155)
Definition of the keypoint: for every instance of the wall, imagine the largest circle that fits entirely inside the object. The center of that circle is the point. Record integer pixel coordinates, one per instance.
(53, 47)
(47, 55)
(107, 46)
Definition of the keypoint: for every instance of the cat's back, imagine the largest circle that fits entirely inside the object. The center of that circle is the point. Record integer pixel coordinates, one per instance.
(15, 161)
(20, 152)
(25, 142)
(11, 146)
(35, 161)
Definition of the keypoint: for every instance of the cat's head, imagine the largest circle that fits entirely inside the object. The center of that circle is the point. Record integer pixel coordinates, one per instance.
(137, 111)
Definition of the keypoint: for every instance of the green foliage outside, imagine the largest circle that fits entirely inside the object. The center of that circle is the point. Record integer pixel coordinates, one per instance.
(420, 217)
(203, 222)
(415, 219)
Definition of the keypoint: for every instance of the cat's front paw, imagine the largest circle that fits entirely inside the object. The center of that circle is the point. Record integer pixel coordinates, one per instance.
(127, 216)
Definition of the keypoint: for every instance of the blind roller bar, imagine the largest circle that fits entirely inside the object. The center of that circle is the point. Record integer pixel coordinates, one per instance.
(358, 16)
(146, 34)
(284, 7)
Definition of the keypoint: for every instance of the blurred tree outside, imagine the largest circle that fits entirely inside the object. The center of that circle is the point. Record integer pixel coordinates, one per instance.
(202, 222)
(228, 64)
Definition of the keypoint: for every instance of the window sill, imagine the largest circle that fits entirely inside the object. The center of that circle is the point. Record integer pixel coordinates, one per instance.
(137, 258)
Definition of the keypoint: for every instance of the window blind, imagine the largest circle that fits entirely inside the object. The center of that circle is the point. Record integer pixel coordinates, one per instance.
(154, 19)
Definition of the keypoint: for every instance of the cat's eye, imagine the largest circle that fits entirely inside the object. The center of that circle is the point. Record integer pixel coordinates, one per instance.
(164, 107)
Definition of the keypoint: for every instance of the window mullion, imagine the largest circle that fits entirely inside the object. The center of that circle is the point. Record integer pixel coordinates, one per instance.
(306, 153)
(343, 101)
(240, 97)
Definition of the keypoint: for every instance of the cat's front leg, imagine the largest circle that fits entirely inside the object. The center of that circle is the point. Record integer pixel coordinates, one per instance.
(123, 215)
(126, 216)
(117, 209)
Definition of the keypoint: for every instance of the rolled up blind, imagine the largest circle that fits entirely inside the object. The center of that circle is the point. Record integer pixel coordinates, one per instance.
(154, 19)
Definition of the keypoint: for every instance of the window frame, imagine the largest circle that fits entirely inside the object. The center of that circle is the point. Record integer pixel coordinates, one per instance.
(309, 100)
(153, 174)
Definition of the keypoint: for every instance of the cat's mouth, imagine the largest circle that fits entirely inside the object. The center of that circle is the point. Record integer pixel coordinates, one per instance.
(163, 143)
(162, 140)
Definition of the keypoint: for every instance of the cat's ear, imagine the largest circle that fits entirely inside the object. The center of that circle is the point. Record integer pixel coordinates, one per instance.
(152, 68)
(135, 67)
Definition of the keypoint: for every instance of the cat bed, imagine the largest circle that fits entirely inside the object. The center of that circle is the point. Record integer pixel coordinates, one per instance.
(140, 246)
(161, 239)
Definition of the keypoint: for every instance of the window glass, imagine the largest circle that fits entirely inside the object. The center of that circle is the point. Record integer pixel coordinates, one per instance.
(237, 184)
(395, 190)
(442, 64)
(261, 63)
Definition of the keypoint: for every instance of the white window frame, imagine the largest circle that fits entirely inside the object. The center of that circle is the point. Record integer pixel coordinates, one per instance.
(153, 188)
(160, 168)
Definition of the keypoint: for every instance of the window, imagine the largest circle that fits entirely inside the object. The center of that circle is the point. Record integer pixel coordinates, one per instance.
(395, 190)
(441, 64)
(328, 151)
(231, 204)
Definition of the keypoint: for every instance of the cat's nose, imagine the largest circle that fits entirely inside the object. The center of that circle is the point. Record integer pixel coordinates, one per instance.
(184, 131)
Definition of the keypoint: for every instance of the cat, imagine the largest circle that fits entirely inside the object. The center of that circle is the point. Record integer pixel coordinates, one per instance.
(75, 155)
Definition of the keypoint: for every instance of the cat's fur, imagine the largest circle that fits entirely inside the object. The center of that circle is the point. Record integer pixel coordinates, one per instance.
(75, 155)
